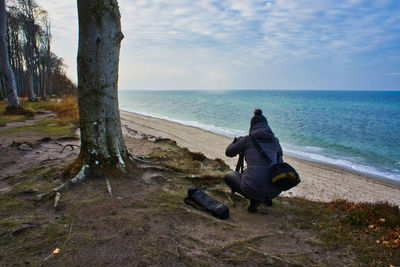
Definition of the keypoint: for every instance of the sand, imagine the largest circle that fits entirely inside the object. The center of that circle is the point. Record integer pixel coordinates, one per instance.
(319, 181)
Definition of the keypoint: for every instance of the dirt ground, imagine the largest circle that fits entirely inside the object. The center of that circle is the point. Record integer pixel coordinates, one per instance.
(145, 221)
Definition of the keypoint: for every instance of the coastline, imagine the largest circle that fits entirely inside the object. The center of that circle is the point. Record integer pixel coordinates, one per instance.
(320, 181)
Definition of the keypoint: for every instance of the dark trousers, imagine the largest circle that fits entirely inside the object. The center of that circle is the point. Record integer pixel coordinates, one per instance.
(232, 179)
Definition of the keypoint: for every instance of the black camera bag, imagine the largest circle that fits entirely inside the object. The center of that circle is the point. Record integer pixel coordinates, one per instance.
(201, 201)
(282, 175)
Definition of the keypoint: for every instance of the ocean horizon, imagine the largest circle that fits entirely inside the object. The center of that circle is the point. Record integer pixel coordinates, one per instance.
(357, 130)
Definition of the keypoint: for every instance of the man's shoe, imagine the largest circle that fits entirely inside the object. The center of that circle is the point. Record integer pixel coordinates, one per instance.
(253, 206)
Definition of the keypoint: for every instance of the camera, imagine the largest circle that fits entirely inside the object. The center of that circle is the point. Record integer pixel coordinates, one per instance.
(237, 139)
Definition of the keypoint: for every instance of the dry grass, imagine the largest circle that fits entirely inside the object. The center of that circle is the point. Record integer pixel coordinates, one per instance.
(66, 108)
(373, 230)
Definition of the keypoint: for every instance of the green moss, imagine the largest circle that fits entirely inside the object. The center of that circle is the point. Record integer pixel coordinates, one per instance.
(48, 127)
(163, 200)
(11, 205)
(10, 223)
(41, 242)
(7, 119)
(37, 105)
(98, 199)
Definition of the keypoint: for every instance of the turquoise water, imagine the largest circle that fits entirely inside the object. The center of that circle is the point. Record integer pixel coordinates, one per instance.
(358, 130)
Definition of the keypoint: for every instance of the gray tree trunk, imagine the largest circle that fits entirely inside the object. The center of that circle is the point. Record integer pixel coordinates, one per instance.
(11, 87)
(2, 87)
(100, 36)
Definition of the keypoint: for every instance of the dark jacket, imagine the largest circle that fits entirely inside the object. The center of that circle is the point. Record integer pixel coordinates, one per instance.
(254, 182)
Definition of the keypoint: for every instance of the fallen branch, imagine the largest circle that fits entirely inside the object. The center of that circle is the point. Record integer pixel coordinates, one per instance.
(57, 250)
(290, 262)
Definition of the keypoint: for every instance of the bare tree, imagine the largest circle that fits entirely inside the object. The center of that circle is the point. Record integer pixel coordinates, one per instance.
(46, 64)
(11, 87)
(15, 47)
(37, 70)
(30, 13)
(98, 59)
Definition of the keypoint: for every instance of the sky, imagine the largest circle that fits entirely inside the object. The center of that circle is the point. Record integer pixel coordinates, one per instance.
(247, 44)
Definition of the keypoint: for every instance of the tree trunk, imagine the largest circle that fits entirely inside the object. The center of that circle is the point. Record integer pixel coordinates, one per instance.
(11, 87)
(2, 87)
(30, 64)
(31, 93)
(100, 36)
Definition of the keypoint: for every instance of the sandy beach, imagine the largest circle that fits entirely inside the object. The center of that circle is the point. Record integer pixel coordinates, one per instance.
(322, 182)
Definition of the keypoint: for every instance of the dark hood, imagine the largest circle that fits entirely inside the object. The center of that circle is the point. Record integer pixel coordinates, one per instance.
(262, 131)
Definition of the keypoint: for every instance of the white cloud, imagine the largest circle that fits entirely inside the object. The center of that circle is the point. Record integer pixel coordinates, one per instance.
(226, 36)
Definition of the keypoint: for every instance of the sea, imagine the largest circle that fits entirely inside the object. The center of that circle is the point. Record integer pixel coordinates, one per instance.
(357, 130)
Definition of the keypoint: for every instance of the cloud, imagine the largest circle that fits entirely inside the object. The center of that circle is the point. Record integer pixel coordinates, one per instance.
(227, 36)
(64, 20)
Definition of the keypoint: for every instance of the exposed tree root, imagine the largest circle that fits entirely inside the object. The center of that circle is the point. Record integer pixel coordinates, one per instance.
(109, 187)
(68, 145)
(79, 178)
(23, 228)
(133, 158)
(57, 199)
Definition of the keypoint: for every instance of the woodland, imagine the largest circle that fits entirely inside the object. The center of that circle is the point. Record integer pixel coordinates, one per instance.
(37, 71)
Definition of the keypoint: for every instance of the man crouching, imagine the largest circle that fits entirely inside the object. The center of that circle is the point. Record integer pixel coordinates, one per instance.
(254, 183)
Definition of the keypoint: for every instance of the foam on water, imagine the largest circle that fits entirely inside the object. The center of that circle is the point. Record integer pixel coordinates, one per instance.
(344, 163)
(352, 129)
(207, 127)
(306, 152)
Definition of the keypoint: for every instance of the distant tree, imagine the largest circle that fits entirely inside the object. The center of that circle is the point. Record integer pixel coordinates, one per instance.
(102, 145)
(10, 85)
(30, 13)
(15, 48)
(38, 71)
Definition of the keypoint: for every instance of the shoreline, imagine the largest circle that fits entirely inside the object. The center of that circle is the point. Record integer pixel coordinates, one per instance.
(320, 181)
(298, 154)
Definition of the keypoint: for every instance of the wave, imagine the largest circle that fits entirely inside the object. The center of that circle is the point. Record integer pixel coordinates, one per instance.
(310, 153)
(345, 163)
(196, 124)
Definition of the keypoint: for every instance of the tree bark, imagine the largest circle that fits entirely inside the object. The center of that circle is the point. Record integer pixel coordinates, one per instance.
(100, 36)
(11, 87)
